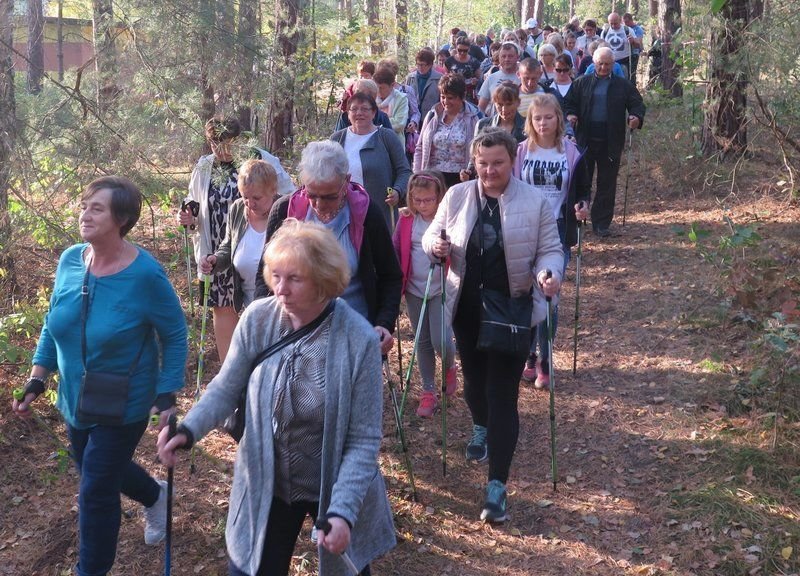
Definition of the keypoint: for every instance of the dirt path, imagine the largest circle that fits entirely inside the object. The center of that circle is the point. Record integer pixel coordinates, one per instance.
(655, 477)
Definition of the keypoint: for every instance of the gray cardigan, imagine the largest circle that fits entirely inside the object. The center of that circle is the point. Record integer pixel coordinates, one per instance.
(352, 485)
(237, 226)
(383, 164)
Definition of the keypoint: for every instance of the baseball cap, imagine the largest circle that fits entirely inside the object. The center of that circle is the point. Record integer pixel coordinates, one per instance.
(532, 23)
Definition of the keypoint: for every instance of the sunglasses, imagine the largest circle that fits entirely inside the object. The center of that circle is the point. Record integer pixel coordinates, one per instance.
(462, 51)
(562, 69)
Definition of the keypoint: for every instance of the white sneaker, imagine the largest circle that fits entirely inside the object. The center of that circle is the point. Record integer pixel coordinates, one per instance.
(155, 518)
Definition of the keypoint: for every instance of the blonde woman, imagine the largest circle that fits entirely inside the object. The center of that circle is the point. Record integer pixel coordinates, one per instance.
(554, 166)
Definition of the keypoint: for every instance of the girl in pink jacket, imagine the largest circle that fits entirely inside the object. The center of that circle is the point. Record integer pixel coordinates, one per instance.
(425, 191)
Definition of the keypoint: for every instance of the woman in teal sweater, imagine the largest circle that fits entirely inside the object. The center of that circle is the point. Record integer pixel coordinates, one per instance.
(128, 324)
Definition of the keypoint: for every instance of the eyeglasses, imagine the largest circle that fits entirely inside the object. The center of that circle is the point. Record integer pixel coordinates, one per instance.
(357, 109)
(562, 69)
(424, 201)
(325, 197)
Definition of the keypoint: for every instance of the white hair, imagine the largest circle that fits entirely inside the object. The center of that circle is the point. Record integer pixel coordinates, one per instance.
(602, 51)
(323, 161)
(548, 49)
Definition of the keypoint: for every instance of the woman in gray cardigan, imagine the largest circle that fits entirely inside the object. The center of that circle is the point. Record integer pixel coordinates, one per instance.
(313, 428)
(376, 157)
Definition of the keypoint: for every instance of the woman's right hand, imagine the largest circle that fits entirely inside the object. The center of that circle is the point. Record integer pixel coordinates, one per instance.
(464, 175)
(442, 248)
(207, 264)
(185, 218)
(22, 408)
(167, 447)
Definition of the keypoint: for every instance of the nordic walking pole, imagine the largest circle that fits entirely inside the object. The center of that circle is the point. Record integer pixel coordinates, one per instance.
(627, 176)
(325, 525)
(172, 423)
(193, 207)
(553, 464)
(577, 295)
(443, 236)
(398, 420)
(422, 311)
(201, 355)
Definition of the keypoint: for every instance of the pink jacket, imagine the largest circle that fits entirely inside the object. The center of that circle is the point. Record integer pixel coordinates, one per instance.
(357, 199)
(402, 245)
(422, 154)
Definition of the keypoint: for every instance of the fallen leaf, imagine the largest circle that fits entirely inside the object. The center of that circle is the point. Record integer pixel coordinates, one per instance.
(544, 503)
(786, 553)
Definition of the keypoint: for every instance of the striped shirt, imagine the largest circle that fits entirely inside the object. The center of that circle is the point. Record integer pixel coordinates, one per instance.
(299, 415)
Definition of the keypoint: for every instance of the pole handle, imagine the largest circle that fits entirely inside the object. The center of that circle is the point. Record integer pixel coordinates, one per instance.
(548, 275)
(443, 236)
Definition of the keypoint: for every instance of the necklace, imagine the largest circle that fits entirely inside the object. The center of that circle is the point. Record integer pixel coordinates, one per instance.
(491, 209)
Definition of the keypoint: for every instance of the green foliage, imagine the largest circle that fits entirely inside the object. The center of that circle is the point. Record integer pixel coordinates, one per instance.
(19, 328)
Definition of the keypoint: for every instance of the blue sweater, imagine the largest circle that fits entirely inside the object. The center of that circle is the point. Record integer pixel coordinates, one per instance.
(125, 308)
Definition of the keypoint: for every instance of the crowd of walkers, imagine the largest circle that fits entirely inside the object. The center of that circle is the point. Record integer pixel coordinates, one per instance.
(460, 190)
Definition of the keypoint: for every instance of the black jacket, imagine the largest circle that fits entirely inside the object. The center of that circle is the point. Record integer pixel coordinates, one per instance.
(623, 100)
(378, 268)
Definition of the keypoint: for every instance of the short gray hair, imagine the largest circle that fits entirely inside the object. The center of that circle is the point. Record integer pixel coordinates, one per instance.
(494, 136)
(602, 51)
(323, 161)
(548, 49)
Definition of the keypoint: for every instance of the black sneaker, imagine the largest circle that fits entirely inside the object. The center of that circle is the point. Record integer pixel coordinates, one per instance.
(477, 451)
(494, 508)
(603, 232)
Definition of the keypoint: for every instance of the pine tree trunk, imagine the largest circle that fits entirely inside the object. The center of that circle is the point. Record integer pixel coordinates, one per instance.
(538, 11)
(35, 50)
(372, 10)
(60, 40)
(104, 53)
(653, 8)
(401, 7)
(248, 30)
(205, 25)
(290, 15)
(669, 20)
(571, 8)
(725, 122)
(8, 133)
(346, 9)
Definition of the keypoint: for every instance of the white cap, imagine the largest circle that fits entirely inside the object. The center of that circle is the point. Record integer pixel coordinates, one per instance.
(532, 23)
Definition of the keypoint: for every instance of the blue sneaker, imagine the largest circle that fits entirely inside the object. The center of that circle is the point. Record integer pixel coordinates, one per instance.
(494, 508)
(477, 451)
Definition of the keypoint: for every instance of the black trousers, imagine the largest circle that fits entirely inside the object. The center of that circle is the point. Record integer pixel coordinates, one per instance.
(606, 190)
(283, 527)
(491, 389)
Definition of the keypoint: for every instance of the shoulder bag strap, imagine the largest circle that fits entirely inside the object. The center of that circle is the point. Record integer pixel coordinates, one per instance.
(480, 235)
(293, 336)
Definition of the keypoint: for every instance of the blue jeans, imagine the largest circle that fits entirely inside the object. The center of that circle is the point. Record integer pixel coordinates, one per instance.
(540, 337)
(103, 456)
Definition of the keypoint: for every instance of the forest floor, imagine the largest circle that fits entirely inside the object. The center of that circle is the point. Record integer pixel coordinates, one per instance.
(662, 468)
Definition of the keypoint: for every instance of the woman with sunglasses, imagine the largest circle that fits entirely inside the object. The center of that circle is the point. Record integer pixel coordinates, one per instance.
(462, 63)
(563, 78)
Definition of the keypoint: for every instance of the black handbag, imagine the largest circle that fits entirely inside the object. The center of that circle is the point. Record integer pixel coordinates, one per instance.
(104, 395)
(234, 424)
(505, 323)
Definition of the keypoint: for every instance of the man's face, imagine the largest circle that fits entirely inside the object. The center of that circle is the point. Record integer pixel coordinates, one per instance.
(628, 21)
(603, 64)
(529, 79)
(614, 21)
(508, 59)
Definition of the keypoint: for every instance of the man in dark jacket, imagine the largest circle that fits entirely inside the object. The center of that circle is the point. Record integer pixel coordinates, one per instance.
(603, 107)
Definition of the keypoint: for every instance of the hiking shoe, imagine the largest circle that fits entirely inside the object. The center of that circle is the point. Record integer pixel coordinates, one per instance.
(542, 378)
(532, 369)
(427, 405)
(603, 232)
(155, 517)
(494, 508)
(477, 451)
(451, 380)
